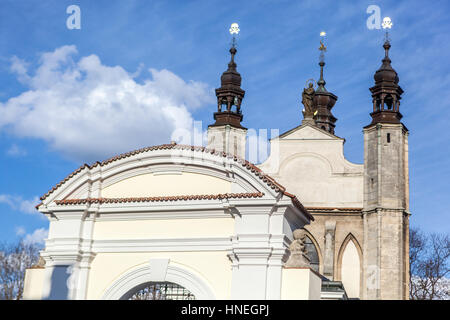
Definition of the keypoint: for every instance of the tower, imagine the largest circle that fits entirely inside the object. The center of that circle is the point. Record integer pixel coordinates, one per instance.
(227, 134)
(323, 100)
(386, 190)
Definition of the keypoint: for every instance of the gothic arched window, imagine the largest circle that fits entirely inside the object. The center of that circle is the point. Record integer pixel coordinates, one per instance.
(312, 254)
(349, 266)
(161, 291)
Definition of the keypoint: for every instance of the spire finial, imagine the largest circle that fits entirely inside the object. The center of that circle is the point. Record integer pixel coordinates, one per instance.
(322, 47)
(323, 101)
(387, 24)
(234, 30)
(322, 50)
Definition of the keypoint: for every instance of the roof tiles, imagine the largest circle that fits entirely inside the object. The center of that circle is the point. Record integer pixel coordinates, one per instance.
(248, 165)
(160, 199)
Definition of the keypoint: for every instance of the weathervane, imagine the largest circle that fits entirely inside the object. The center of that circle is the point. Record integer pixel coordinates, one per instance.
(387, 24)
(234, 30)
(322, 47)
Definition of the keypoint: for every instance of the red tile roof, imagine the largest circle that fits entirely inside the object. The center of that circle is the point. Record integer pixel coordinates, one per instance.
(160, 199)
(248, 165)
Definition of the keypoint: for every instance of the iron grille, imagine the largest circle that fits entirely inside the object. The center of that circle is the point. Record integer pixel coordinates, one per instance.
(162, 291)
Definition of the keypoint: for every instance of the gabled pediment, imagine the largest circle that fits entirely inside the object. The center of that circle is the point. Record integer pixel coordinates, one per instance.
(167, 173)
(164, 171)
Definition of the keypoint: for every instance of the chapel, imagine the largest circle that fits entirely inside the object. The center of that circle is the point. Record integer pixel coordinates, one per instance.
(192, 222)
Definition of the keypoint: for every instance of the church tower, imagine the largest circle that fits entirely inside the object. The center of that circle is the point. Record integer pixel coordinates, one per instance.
(386, 190)
(227, 134)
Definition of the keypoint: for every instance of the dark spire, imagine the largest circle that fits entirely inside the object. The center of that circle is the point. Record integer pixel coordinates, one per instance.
(321, 83)
(386, 93)
(229, 96)
(231, 77)
(386, 72)
(323, 100)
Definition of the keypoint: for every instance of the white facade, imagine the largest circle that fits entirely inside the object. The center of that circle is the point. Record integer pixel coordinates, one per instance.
(310, 162)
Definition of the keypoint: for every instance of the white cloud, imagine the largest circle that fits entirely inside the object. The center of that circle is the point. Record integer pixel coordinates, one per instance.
(37, 237)
(20, 204)
(20, 231)
(29, 206)
(16, 151)
(89, 111)
(7, 199)
(20, 67)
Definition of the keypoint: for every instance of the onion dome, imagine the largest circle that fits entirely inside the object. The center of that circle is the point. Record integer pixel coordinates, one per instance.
(386, 73)
(386, 93)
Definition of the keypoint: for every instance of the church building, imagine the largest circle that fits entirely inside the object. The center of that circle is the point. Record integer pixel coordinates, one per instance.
(192, 222)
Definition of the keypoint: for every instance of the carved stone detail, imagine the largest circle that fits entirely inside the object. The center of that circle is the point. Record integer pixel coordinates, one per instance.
(328, 266)
(299, 255)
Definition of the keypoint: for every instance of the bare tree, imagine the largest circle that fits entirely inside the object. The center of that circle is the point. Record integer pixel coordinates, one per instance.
(14, 260)
(429, 266)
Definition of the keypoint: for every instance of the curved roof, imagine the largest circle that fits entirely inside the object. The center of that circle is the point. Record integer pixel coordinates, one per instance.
(246, 164)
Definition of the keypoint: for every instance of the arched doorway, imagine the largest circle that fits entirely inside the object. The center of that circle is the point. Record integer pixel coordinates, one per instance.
(159, 291)
(161, 278)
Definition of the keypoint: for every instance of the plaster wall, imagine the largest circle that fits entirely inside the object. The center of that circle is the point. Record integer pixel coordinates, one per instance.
(34, 280)
(170, 184)
(300, 284)
(166, 229)
(214, 268)
(311, 164)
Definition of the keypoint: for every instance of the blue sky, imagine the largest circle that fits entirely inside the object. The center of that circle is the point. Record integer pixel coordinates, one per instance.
(138, 69)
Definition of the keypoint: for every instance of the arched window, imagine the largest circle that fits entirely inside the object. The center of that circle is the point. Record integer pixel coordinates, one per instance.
(350, 266)
(389, 102)
(312, 254)
(160, 291)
